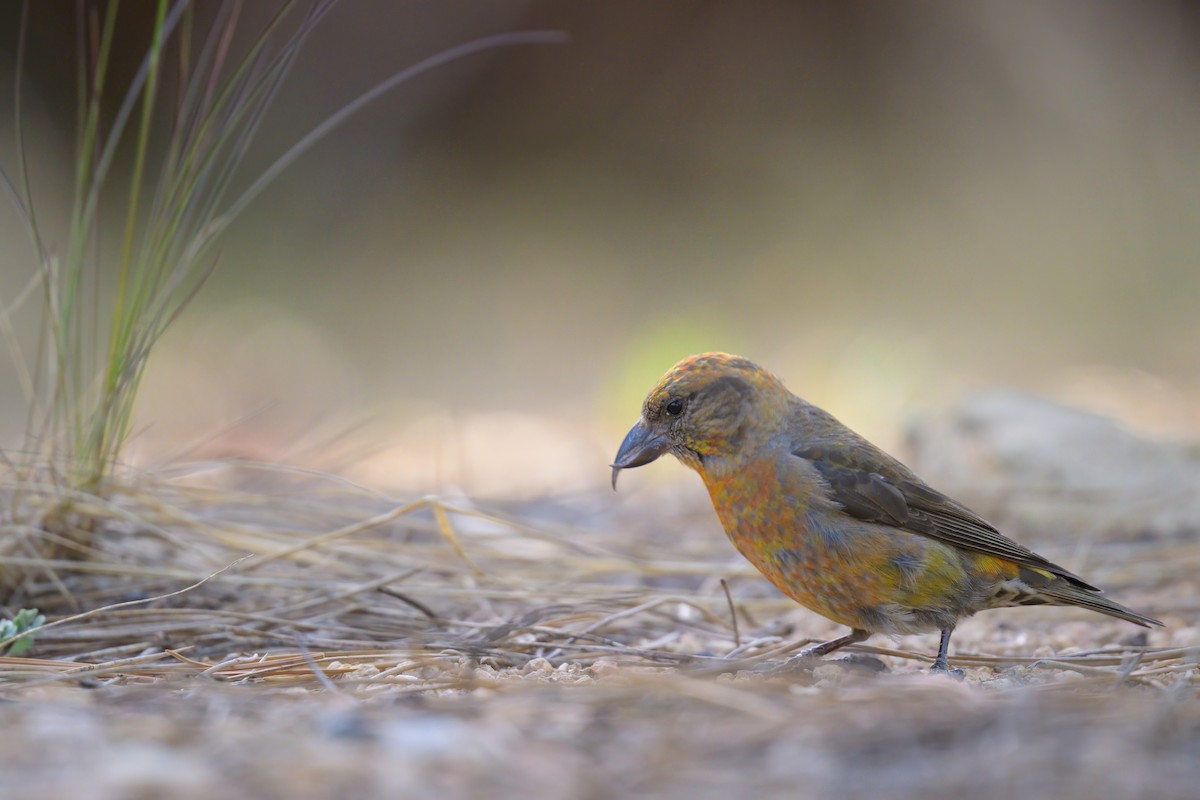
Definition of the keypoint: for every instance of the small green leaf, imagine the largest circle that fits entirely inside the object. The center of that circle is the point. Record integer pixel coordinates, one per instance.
(24, 622)
(19, 646)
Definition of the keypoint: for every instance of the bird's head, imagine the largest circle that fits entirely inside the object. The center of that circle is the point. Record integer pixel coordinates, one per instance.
(707, 408)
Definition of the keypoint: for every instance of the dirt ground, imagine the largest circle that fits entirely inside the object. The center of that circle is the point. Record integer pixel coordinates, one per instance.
(570, 647)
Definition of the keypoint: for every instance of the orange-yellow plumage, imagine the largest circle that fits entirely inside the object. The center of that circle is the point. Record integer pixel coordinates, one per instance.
(831, 520)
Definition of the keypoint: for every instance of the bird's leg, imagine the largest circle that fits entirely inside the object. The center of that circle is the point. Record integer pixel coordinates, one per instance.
(940, 664)
(802, 660)
(855, 636)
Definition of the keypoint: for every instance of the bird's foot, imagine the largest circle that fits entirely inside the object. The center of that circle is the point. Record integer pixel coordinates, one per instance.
(807, 658)
(807, 661)
(800, 662)
(804, 660)
(940, 667)
(864, 662)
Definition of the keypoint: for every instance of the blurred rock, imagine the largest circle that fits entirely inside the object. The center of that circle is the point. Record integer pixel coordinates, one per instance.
(1031, 464)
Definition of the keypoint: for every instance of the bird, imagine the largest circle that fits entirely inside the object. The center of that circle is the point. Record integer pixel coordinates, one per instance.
(833, 521)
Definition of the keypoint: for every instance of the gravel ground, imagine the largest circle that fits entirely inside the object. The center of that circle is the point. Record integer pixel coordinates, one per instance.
(268, 633)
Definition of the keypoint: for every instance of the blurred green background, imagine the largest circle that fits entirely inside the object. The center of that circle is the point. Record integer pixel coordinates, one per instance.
(472, 284)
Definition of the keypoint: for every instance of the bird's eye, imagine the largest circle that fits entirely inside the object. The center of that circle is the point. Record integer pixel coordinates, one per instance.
(675, 407)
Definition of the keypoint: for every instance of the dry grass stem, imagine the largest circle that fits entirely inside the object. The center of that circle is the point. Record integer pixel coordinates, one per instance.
(290, 584)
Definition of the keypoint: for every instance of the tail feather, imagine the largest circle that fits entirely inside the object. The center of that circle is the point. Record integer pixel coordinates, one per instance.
(1069, 595)
(1034, 586)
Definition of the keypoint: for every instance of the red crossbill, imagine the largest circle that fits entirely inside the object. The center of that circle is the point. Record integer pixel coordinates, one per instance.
(835, 523)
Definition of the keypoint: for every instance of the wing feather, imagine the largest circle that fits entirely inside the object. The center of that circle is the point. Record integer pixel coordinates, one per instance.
(872, 486)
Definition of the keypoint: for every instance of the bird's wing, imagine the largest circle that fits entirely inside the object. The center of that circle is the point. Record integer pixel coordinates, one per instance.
(870, 485)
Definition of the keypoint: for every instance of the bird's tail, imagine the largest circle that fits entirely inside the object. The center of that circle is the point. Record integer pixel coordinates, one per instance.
(1068, 595)
(1062, 591)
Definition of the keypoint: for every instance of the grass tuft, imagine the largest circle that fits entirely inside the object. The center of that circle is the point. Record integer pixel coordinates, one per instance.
(183, 125)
